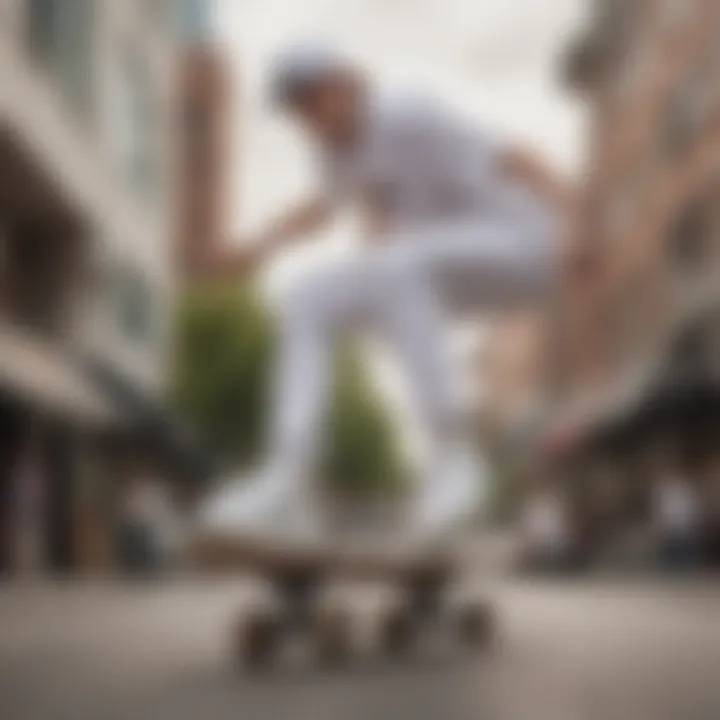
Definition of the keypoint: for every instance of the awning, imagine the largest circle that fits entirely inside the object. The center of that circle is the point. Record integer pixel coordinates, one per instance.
(39, 372)
(154, 422)
(645, 404)
(594, 419)
(566, 430)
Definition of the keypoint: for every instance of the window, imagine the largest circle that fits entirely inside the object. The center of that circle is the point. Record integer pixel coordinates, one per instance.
(624, 205)
(135, 305)
(677, 13)
(714, 223)
(689, 241)
(619, 215)
(689, 111)
(158, 11)
(195, 18)
(60, 35)
(711, 62)
(8, 9)
(4, 265)
(78, 35)
(43, 26)
(615, 20)
(135, 126)
(690, 351)
(3, 249)
(197, 136)
(639, 63)
(696, 350)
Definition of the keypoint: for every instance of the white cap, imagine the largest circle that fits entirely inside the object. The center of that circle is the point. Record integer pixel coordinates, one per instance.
(300, 68)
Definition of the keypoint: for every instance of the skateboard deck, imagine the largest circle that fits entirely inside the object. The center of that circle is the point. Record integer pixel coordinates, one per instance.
(227, 554)
(416, 597)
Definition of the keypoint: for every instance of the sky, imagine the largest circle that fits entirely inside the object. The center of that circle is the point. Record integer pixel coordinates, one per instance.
(497, 61)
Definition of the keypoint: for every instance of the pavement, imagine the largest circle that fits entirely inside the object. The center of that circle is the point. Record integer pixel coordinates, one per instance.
(601, 650)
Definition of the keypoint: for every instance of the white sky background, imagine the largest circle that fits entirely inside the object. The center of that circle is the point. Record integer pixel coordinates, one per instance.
(496, 60)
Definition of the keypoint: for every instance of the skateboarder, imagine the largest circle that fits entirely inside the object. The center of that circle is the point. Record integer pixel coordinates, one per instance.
(453, 220)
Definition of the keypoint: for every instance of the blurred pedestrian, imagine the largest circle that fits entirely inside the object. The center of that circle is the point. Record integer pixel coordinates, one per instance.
(545, 530)
(144, 523)
(712, 514)
(678, 521)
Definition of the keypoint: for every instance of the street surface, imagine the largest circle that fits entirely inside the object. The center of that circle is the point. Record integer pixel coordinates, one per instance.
(568, 651)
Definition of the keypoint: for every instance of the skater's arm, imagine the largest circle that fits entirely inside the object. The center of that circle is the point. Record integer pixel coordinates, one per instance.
(301, 220)
(290, 226)
(530, 169)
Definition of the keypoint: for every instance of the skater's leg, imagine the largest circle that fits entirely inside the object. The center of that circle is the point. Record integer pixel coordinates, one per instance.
(470, 264)
(311, 313)
(451, 483)
(301, 378)
(476, 265)
(413, 319)
(486, 264)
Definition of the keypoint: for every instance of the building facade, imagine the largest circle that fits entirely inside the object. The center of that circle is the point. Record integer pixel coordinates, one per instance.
(510, 367)
(636, 329)
(88, 113)
(511, 364)
(206, 134)
(650, 71)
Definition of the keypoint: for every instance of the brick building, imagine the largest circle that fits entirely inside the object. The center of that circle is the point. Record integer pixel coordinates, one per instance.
(87, 206)
(206, 136)
(650, 71)
(510, 363)
(633, 344)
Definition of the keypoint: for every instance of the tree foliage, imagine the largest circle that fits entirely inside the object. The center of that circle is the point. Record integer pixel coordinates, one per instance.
(223, 355)
(362, 455)
(225, 348)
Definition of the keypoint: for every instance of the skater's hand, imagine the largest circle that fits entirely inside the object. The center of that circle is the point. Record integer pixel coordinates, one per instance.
(233, 263)
(244, 257)
(527, 167)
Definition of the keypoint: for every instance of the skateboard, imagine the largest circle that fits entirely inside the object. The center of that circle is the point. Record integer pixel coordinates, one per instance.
(316, 593)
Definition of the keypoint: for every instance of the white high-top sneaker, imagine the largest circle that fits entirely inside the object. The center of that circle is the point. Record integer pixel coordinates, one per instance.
(450, 495)
(268, 505)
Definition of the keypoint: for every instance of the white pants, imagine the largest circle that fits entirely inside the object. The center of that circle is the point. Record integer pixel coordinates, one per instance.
(405, 289)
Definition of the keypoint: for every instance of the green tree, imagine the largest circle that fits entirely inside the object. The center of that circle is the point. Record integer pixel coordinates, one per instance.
(362, 454)
(225, 350)
(223, 354)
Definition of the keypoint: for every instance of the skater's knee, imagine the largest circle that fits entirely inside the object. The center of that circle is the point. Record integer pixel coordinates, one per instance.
(303, 300)
(399, 268)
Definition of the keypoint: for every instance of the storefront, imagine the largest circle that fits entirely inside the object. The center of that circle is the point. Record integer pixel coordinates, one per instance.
(611, 457)
(50, 418)
(71, 433)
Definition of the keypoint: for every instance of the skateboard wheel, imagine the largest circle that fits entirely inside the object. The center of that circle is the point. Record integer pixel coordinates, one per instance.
(333, 636)
(475, 624)
(398, 633)
(258, 639)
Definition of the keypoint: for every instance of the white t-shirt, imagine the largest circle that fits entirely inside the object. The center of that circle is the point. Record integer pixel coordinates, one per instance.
(418, 162)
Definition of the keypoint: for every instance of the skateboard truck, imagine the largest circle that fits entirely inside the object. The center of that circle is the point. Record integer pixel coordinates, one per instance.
(426, 590)
(298, 589)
